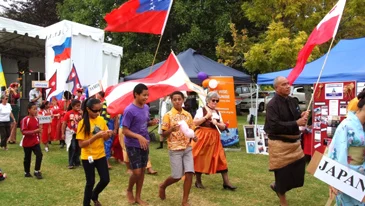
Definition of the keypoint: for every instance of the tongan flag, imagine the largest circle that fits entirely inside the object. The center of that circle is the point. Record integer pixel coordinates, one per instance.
(63, 51)
(52, 83)
(74, 78)
(163, 81)
(143, 16)
(324, 31)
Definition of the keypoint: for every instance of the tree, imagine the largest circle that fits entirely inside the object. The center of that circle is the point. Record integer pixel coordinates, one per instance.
(191, 24)
(288, 24)
(38, 12)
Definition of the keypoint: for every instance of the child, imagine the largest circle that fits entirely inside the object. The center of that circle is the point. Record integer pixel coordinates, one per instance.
(45, 111)
(56, 121)
(69, 129)
(31, 129)
(91, 134)
(180, 150)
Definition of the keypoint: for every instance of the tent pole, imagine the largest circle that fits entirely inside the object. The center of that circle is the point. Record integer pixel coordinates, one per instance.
(154, 58)
(320, 74)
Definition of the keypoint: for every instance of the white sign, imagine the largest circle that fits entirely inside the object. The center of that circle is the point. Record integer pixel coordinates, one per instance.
(40, 84)
(334, 91)
(95, 88)
(341, 177)
(44, 119)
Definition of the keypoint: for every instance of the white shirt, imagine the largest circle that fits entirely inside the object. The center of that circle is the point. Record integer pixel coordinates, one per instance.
(34, 94)
(5, 111)
(199, 114)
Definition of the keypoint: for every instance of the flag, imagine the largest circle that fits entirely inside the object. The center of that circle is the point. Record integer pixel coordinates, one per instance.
(168, 78)
(142, 16)
(63, 51)
(2, 76)
(324, 31)
(73, 78)
(52, 83)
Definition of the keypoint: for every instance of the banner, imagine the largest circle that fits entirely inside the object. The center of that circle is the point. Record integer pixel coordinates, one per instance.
(40, 84)
(44, 119)
(94, 88)
(227, 108)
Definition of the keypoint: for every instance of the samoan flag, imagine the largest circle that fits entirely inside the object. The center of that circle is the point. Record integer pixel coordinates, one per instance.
(143, 16)
(74, 78)
(63, 51)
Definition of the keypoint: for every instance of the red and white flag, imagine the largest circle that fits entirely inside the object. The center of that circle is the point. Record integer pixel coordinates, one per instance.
(168, 78)
(324, 31)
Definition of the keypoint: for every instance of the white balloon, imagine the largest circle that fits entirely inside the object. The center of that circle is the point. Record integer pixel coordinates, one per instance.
(213, 83)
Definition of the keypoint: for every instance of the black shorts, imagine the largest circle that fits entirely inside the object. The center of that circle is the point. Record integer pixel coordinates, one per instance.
(290, 176)
(138, 157)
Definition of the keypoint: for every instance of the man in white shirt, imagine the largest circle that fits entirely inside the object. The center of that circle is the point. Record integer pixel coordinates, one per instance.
(35, 95)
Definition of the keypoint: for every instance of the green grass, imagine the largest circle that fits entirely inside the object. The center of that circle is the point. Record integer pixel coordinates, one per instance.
(62, 186)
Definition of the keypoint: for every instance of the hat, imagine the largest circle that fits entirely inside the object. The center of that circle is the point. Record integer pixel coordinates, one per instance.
(14, 84)
(79, 89)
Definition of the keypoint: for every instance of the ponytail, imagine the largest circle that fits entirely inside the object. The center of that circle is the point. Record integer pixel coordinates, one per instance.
(88, 103)
(72, 104)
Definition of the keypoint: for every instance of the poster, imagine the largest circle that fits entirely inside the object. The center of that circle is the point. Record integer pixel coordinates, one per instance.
(343, 110)
(333, 107)
(360, 87)
(334, 91)
(227, 108)
(317, 136)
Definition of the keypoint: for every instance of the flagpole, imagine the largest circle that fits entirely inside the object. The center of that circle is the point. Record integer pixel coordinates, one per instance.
(320, 74)
(154, 58)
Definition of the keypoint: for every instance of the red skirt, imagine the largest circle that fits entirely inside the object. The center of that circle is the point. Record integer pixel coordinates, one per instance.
(208, 152)
(46, 132)
(56, 129)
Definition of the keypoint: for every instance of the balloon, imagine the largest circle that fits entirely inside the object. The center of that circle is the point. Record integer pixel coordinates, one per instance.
(213, 83)
(202, 76)
(205, 83)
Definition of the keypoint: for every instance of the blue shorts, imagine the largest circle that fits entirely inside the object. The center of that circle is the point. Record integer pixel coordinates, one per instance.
(138, 157)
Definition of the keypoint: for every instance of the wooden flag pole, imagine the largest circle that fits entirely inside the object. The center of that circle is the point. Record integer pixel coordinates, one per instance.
(154, 58)
(320, 74)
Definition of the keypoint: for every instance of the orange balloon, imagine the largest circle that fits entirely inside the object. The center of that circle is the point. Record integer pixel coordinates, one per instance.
(205, 83)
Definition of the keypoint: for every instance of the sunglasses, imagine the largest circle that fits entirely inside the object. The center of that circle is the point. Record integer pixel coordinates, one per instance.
(95, 111)
(215, 100)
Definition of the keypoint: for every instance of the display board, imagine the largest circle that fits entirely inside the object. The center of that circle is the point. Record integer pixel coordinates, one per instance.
(256, 139)
(328, 110)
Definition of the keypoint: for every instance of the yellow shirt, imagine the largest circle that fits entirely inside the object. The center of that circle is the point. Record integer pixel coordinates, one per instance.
(352, 107)
(95, 149)
(177, 140)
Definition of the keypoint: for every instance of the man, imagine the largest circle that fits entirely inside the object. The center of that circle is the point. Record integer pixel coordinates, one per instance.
(286, 157)
(180, 150)
(135, 129)
(35, 95)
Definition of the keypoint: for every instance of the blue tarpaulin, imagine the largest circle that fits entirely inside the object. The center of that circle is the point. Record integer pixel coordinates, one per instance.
(193, 63)
(346, 62)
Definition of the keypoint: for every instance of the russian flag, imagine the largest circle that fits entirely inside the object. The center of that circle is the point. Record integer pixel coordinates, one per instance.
(143, 16)
(63, 51)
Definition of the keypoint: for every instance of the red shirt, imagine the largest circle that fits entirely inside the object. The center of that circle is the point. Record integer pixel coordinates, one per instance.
(30, 124)
(72, 118)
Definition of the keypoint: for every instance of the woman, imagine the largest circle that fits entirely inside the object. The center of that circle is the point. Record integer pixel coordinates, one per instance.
(209, 156)
(5, 114)
(91, 133)
(348, 147)
(13, 100)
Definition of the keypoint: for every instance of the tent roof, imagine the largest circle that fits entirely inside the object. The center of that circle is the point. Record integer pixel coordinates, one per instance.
(111, 49)
(345, 63)
(193, 63)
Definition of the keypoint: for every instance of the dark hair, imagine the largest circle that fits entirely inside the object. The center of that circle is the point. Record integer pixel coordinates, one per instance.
(102, 94)
(44, 104)
(361, 97)
(88, 103)
(138, 89)
(178, 93)
(73, 103)
(30, 105)
(67, 95)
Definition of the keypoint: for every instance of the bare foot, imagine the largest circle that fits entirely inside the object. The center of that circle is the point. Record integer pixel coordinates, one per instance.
(185, 204)
(162, 192)
(130, 197)
(141, 202)
(151, 171)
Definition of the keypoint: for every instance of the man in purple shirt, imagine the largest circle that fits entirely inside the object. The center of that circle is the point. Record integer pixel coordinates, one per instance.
(135, 129)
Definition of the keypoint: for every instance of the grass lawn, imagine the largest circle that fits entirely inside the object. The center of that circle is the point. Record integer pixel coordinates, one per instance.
(62, 186)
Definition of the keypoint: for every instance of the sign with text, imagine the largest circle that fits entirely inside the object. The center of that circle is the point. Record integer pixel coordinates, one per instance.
(227, 108)
(40, 84)
(338, 176)
(95, 88)
(44, 119)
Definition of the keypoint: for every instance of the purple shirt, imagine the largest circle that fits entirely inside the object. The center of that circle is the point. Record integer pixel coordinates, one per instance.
(136, 120)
